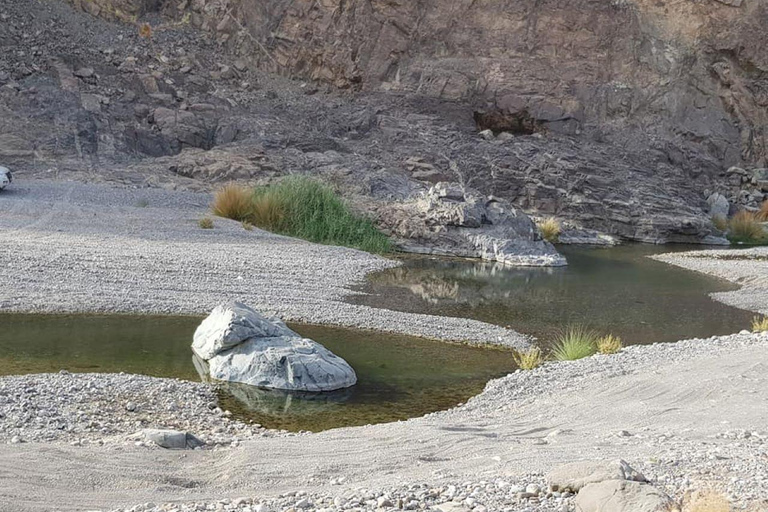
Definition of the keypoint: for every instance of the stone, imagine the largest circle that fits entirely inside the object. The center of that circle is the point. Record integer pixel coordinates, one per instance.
(5, 177)
(84, 72)
(231, 324)
(238, 344)
(171, 439)
(719, 206)
(622, 496)
(452, 220)
(576, 475)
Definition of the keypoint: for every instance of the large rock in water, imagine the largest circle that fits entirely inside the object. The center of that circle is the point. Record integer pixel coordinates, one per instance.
(240, 345)
(452, 220)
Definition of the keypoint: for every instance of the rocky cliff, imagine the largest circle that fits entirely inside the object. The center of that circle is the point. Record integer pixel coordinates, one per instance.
(622, 116)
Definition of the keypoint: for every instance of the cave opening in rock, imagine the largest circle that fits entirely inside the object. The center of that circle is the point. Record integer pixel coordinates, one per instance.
(518, 123)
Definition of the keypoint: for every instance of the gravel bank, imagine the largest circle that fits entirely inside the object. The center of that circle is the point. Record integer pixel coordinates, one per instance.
(746, 267)
(72, 247)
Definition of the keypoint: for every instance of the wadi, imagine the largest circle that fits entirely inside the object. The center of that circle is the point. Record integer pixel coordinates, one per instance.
(369, 255)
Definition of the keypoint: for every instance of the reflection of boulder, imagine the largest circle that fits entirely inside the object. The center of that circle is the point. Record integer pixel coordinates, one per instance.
(276, 402)
(240, 345)
(451, 220)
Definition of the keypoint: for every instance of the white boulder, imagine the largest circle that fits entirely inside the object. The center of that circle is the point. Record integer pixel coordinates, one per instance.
(574, 476)
(622, 496)
(5, 177)
(240, 345)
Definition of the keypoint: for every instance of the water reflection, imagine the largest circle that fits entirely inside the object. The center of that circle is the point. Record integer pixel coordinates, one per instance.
(616, 290)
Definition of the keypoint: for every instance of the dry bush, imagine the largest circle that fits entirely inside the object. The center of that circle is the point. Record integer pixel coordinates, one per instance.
(720, 222)
(707, 501)
(609, 344)
(205, 223)
(760, 324)
(744, 227)
(233, 202)
(528, 359)
(762, 214)
(550, 229)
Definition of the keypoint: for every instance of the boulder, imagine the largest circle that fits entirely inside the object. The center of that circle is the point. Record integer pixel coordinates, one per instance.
(5, 177)
(574, 476)
(622, 496)
(718, 206)
(240, 345)
(170, 439)
(449, 219)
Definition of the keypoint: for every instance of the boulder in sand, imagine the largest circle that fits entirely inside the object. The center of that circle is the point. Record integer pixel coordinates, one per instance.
(240, 345)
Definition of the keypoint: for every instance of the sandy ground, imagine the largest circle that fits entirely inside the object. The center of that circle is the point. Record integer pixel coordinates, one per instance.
(689, 414)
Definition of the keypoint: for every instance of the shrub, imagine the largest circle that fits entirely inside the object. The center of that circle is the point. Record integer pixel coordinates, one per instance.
(762, 214)
(268, 213)
(205, 223)
(760, 324)
(707, 501)
(744, 227)
(609, 344)
(233, 202)
(528, 359)
(550, 229)
(305, 208)
(720, 222)
(575, 342)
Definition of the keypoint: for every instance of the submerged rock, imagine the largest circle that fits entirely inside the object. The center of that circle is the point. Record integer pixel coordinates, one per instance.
(238, 344)
(451, 220)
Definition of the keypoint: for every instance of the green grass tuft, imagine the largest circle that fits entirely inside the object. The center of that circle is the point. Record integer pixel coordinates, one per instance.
(305, 208)
(575, 342)
(528, 359)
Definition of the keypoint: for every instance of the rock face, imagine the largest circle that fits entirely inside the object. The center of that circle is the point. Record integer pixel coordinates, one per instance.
(5, 177)
(451, 220)
(240, 345)
(622, 117)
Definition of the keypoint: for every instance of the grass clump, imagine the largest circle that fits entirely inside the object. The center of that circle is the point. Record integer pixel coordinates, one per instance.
(528, 359)
(762, 214)
(205, 223)
(745, 228)
(247, 225)
(575, 342)
(760, 324)
(550, 229)
(609, 344)
(720, 222)
(305, 208)
(233, 202)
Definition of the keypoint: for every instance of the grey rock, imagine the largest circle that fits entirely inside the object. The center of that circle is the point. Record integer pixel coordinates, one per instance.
(622, 496)
(451, 220)
(718, 205)
(5, 177)
(171, 439)
(576, 475)
(240, 345)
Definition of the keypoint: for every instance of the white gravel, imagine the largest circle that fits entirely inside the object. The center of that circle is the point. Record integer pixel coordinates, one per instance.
(689, 415)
